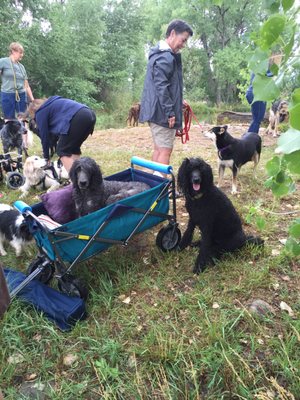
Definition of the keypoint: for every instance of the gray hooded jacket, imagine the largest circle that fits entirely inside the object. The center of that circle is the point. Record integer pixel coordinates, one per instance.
(162, 94)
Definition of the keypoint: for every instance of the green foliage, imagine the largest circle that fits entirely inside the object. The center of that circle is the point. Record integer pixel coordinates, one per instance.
(294, 115)
(289, 141)
(280, 182)
(293, 162)
(203, 112)
(265, 88)
(293, 243)
(120, 67)
(253, 216)
(271, 30)
(105, 371)
(242, 87)
(95, 51)
(280, 32)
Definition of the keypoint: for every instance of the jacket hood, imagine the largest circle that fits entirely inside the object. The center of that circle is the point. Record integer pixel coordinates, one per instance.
(48, 102)
(161, 46)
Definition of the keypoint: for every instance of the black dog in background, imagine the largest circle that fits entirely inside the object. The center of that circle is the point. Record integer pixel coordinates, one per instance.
(53, 139)
(211, 210)
(234, 153)
(12, 136)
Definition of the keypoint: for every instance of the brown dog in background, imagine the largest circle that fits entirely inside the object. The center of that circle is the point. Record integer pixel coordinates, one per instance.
(133, 114)
(278, 113)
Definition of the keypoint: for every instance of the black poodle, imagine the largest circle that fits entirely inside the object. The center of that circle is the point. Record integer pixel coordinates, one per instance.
(91, 192)
(211, 210)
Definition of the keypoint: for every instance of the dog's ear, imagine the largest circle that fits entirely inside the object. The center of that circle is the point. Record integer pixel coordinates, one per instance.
(29, 167)
(72, 172)
(97, 174)
(24, 231)
(207, 175)
(217, 130)
(223, 128)
(182, 175)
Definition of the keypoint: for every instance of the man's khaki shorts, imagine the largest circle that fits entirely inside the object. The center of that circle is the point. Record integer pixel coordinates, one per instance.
(162, 137)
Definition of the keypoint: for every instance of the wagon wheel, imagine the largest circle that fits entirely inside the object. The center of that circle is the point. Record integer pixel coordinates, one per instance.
(72, 286)
(168, 238)
(47, 272)
(14, 180)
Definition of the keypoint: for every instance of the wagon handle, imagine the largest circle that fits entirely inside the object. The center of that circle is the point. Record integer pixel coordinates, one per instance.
(142, 162)
(21, 206)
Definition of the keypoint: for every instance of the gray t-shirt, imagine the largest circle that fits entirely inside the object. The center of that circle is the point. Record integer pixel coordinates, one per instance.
(6, 70)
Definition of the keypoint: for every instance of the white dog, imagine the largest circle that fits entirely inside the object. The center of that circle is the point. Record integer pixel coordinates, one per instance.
(38, 175)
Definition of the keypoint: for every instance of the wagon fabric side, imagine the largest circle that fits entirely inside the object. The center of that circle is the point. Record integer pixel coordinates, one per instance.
(87, 236)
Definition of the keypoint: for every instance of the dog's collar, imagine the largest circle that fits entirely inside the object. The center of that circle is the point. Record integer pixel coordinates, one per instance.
(197, 197)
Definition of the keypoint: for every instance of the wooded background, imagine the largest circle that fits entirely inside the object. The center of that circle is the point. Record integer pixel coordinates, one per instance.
(95, 51)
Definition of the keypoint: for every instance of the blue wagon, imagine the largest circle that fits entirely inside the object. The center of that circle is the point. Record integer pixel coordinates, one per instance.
(62, 248)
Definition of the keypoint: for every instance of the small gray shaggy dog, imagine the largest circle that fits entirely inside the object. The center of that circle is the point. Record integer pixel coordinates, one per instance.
(91, 192)
(12, 136)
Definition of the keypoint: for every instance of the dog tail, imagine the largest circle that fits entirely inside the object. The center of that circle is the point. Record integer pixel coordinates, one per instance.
(255, 240)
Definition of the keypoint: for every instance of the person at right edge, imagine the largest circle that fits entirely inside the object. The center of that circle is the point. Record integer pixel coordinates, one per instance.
(162, 98)
(258, 108)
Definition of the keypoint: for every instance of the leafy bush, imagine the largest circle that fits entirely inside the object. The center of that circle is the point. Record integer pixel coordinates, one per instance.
(279, 35)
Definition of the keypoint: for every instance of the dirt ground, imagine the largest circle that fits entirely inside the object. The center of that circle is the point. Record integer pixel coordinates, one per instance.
(140, 137)
(139, 141)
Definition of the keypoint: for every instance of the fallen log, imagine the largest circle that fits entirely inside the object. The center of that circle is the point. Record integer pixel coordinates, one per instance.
(238, 117)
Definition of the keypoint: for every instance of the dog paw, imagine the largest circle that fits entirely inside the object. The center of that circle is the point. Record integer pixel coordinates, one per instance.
(196, 270)
(196, 244)
(182, 246)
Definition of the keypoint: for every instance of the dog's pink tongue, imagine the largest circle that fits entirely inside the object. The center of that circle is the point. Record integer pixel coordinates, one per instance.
(196, 186)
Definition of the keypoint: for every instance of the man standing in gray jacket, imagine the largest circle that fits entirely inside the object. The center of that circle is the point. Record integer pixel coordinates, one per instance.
(161, 104)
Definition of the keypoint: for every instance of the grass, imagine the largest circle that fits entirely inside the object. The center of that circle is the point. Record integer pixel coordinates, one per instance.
(180, 336)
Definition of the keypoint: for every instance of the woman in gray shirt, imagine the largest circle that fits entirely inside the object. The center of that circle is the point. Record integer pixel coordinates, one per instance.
(15, 84)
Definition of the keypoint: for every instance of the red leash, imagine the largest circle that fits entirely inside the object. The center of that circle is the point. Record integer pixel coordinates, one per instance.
(188, 114)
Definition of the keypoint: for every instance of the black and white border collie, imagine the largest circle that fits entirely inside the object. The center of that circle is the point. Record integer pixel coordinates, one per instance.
(234, 153)
(13, 229)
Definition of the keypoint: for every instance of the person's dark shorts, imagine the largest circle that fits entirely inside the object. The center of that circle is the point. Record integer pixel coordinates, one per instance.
(11, 107)
(82, 125)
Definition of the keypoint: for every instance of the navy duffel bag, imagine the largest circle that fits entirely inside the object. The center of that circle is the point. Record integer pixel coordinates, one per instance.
(63, 310)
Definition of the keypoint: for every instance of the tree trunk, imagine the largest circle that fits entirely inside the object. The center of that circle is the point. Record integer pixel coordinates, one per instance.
(239, 117)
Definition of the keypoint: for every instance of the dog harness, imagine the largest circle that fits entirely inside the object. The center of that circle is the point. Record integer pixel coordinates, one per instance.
(223, 148)
(42, 181)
